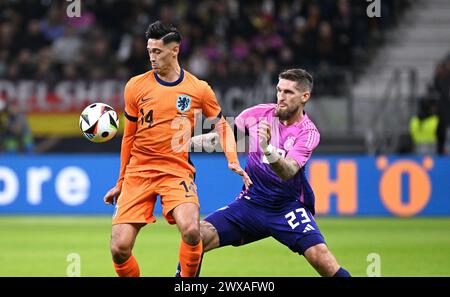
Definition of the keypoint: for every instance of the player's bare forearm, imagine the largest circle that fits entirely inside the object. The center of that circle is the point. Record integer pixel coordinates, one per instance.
(228, 144)
(285, 168)
(204, 142)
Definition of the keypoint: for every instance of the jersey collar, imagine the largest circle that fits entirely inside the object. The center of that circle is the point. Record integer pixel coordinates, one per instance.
(169, 84)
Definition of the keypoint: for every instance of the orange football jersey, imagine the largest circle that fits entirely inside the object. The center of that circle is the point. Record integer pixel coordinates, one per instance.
(164, 112)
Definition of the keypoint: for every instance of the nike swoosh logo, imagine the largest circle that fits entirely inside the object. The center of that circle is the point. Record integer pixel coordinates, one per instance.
(145, 99)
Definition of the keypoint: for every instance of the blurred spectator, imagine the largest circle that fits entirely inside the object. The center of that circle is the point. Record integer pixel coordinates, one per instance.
(325, 45)
(34, 39)
(198, 64)
(441, 86)
(3, 62)
(52, 24)
(137, 60)
(26, 67)
(424, 128)
(67, 47)
(342, 25)
(8, 40)
(3, 122)
(14, 129)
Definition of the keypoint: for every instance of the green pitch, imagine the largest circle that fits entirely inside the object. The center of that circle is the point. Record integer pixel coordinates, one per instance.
(40, 246)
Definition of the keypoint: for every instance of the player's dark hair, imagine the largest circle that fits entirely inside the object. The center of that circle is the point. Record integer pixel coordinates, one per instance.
(167, 33)
(303, 79)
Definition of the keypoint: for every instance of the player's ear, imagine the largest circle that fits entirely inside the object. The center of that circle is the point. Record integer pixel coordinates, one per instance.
(305, 97)
(175, 49)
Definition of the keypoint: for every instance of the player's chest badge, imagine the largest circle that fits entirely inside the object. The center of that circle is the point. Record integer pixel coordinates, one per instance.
(289, 143)
(183, 103)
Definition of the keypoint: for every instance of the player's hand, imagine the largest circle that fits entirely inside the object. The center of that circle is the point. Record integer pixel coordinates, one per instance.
(264, 134)
(111, 195)
(236, 168)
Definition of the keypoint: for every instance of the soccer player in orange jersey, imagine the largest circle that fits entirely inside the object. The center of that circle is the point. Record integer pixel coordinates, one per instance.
(159, 111)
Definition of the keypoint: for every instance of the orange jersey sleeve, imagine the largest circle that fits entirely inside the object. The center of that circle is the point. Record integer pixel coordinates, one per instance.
(129, 131)
(130, 99)
(210, 106)
(211, 109)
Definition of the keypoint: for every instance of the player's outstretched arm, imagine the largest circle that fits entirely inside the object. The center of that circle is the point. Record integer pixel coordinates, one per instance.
(236, 168)
(204, 142)
(226, 136)
(125, 152)
(285, 168)
(228, 144)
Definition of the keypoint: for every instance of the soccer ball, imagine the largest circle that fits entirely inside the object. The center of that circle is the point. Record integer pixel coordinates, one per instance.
(99, 122)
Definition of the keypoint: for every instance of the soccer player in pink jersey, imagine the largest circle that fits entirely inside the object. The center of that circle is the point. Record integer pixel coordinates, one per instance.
(280, 202)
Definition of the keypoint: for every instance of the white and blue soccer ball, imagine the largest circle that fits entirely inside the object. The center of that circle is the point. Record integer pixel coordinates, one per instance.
(99, 122)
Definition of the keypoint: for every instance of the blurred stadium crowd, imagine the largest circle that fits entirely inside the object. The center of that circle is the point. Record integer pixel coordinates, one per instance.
(228, 42)
(221, 39)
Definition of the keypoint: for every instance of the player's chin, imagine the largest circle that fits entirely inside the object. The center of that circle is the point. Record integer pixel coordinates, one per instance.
(281, 112)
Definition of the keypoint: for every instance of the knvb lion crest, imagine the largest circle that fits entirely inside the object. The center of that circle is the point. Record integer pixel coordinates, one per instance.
(183, 103)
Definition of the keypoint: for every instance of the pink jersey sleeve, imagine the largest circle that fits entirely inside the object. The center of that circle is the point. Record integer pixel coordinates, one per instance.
(251, 116)
(304, 146)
